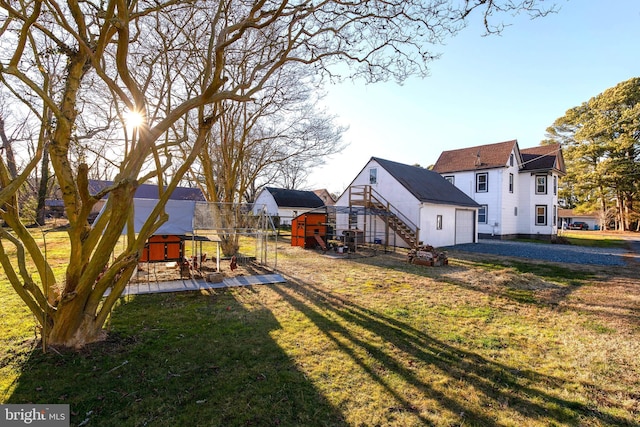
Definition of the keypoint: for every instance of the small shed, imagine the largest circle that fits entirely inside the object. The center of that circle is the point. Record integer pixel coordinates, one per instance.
(309, 230)
(286, 204)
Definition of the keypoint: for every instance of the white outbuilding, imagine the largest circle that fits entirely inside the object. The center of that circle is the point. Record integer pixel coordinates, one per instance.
(406, 206)
(286, 204)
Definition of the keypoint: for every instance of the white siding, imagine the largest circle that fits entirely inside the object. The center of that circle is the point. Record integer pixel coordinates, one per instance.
(389, 188)
(511, 213)
(287, 214)
(550, 200)
(265, 200)
(429, 234)
(466, 181)
(423, 215)
(508, 222)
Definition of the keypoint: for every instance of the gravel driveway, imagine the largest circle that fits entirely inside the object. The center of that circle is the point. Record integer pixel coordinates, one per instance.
(548, 252)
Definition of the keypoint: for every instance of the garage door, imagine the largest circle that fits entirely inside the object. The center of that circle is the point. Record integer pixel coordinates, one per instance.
(465, 226)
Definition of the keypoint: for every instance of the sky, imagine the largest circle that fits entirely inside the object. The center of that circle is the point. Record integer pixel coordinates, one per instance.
(485, 90)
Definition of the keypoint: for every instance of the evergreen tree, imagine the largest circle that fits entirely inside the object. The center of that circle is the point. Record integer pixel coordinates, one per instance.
(601, 144)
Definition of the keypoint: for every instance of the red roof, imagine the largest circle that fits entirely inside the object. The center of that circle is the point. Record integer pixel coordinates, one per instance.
(473, 158)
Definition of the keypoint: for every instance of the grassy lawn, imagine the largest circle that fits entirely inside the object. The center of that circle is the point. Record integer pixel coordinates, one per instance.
(353, 342)
(602, 239)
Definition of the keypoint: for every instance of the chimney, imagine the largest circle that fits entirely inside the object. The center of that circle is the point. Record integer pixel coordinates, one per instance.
(478, 162)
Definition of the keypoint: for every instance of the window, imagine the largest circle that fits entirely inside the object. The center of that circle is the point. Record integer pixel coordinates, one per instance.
(511, 159)
(541, 184)
(555, 215)
(555, 185)
(541, 214)
(510, 183)
(439, 222)
(515, 211)
(373, 176)
(482, 182)
(451, 179)
(482, 214)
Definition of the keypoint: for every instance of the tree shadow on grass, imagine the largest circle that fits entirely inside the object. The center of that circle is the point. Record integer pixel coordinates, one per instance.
(610, 292)
(179, 359)
(496, 384)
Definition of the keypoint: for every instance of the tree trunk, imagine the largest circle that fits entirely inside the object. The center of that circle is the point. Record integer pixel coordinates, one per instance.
(42, 190)
(72, 328)
(620, 212)
(628, 210)
(603, 206)
(8, 148)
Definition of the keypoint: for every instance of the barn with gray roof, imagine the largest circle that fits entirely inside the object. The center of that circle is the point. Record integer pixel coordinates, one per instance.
(286, 204)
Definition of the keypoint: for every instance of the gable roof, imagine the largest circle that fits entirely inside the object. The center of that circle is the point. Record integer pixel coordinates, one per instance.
(326, 197)
(426, 185)
(150, 191)
(295, 198)
(543, 157)
(474, 158)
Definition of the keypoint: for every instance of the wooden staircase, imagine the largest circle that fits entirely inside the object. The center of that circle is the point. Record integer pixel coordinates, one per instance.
(364, 195)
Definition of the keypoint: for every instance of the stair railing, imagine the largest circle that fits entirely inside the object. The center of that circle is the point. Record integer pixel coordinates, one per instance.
(371, 198)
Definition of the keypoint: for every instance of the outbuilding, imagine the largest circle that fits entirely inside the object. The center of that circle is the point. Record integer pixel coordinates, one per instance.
(285, 204)
(406, 206)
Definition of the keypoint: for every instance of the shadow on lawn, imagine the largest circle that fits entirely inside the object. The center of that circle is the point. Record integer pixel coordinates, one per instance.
(179, 359)
(496, 385)
(611, 292)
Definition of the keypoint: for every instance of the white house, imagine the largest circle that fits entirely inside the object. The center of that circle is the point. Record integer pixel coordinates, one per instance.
(286, 204)
(402, 205)
(517, 190)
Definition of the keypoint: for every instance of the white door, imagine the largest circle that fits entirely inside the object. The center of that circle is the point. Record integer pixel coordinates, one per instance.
(465, 226)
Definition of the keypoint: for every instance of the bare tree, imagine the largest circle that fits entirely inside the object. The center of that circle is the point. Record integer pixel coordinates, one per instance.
(169, 62)
(253, 141)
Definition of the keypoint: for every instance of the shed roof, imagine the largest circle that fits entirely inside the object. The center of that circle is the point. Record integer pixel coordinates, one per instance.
(295, 198)
(150, 191)
(426, 185)
(474, 158)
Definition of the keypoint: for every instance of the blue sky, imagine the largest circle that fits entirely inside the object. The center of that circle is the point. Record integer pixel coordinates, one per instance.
(487, 89)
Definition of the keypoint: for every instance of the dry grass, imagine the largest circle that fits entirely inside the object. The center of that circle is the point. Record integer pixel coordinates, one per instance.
(365, 341)
(479, 341)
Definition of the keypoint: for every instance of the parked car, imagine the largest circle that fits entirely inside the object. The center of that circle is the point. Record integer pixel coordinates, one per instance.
(578, 225)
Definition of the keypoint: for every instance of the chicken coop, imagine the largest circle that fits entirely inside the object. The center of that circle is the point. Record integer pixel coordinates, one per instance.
(309, 230)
